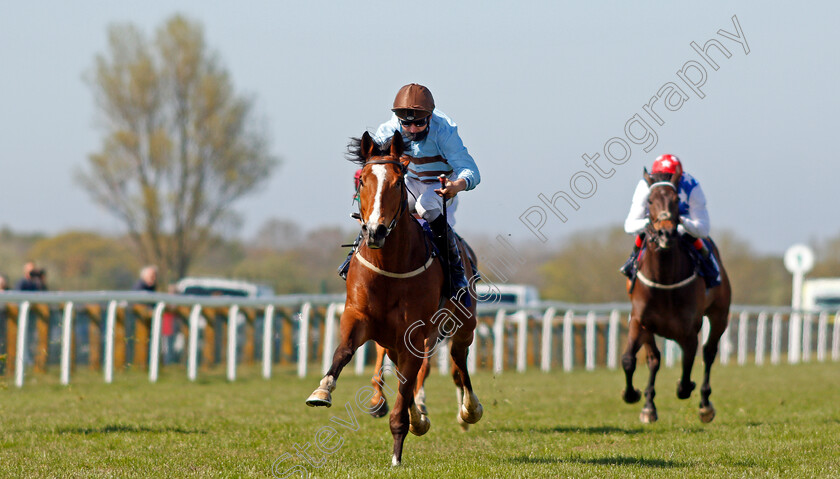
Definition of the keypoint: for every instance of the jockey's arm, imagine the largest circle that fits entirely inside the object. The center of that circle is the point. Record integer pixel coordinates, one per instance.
(637, 217)
(696, 222)
(456, 154)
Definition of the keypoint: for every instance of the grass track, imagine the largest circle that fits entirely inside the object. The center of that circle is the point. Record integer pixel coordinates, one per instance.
(774, 421)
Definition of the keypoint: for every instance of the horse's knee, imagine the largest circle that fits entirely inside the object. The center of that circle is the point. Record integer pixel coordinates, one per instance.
(709, 352)
(399, 421)
(628, 362)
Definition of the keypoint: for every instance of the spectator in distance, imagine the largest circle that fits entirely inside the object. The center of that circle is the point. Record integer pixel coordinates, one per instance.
(34, 278)
(147, 280)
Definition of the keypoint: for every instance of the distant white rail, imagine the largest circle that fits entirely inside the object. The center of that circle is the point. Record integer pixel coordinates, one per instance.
(547, 336)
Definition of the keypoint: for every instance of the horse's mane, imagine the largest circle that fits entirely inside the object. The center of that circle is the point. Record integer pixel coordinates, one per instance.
(355, 154)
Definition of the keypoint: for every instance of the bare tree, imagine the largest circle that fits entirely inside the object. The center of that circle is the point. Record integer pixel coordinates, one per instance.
(180, 145)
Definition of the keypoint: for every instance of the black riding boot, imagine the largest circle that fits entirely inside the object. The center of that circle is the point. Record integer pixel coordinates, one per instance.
(445, 242)
(342, 270)
(709, 269)
(629, 268)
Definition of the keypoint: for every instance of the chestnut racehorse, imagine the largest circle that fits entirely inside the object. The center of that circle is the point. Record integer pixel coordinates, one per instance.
(394, 296)
(670, 300)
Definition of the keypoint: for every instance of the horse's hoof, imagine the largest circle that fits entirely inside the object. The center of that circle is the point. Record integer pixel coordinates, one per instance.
(321, 397)
(395, 462)
(381, 411)
(631, 396)
(685, 392)
(648, 416)
(421, 427)
(707, 413)
(474, 417)
(465, 426)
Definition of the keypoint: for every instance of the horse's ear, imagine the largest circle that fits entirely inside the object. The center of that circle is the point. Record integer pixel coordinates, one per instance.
(647, 176)
(675, 178)
(367, 146)
(397, 147)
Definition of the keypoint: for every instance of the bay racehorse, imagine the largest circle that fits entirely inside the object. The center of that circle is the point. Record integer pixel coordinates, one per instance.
(394, 296)
(670, 300)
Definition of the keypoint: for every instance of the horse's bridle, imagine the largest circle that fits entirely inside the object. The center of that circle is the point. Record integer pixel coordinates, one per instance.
(651, 229)
(403, 188)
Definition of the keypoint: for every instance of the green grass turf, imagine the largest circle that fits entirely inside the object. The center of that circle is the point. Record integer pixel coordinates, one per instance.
(773, 421)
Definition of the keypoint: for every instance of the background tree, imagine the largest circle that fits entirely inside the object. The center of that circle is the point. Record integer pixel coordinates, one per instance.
(78, 260)
(585, 270)
(180, 147)
(827, 258)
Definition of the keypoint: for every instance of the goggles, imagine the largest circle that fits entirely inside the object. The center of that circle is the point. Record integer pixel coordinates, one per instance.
(420, 122)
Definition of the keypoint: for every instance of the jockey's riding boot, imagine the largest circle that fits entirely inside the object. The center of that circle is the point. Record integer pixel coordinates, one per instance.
(342, 270)
(629, 267)
(709, 269)
(445, 241)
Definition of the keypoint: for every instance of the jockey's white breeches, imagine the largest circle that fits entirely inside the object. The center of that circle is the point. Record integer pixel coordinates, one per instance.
(423, 200)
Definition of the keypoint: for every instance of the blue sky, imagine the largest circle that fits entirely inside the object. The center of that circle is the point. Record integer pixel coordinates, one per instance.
(533, 86)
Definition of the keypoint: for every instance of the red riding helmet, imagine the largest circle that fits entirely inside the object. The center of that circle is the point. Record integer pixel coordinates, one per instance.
(667, 164)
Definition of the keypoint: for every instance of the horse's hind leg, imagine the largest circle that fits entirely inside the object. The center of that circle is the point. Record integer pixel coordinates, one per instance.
(469, 408)
(352, 336)
(378, 403)
(421, 425)
(628, 362)
(404, 407)
(718, 322)
(459, 394)
(648, 414)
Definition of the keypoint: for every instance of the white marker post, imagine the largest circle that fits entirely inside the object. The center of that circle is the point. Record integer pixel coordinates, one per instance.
(799, 259)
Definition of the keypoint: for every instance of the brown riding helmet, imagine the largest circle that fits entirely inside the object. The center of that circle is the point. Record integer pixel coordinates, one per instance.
(413, 102)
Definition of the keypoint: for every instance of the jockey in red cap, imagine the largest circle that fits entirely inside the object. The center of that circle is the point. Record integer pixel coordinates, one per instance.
(694, 218)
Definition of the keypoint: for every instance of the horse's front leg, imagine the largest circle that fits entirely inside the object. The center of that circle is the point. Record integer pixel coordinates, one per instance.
(628, 361)
(353, 334)
(689, 347)
(379, 403)
(648, 414)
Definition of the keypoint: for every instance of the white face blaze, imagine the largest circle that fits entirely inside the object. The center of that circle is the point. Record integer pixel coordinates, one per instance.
(379, 171)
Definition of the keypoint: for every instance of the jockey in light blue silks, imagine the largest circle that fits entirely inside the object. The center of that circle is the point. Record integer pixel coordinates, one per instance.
(434, 148)
(694, 219)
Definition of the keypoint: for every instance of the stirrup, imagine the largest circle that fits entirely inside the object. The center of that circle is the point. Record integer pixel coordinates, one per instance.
(345, 266)
(629, 267)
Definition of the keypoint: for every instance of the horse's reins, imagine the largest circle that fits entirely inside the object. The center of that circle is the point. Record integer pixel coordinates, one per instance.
(393, 224)
(652, 284)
